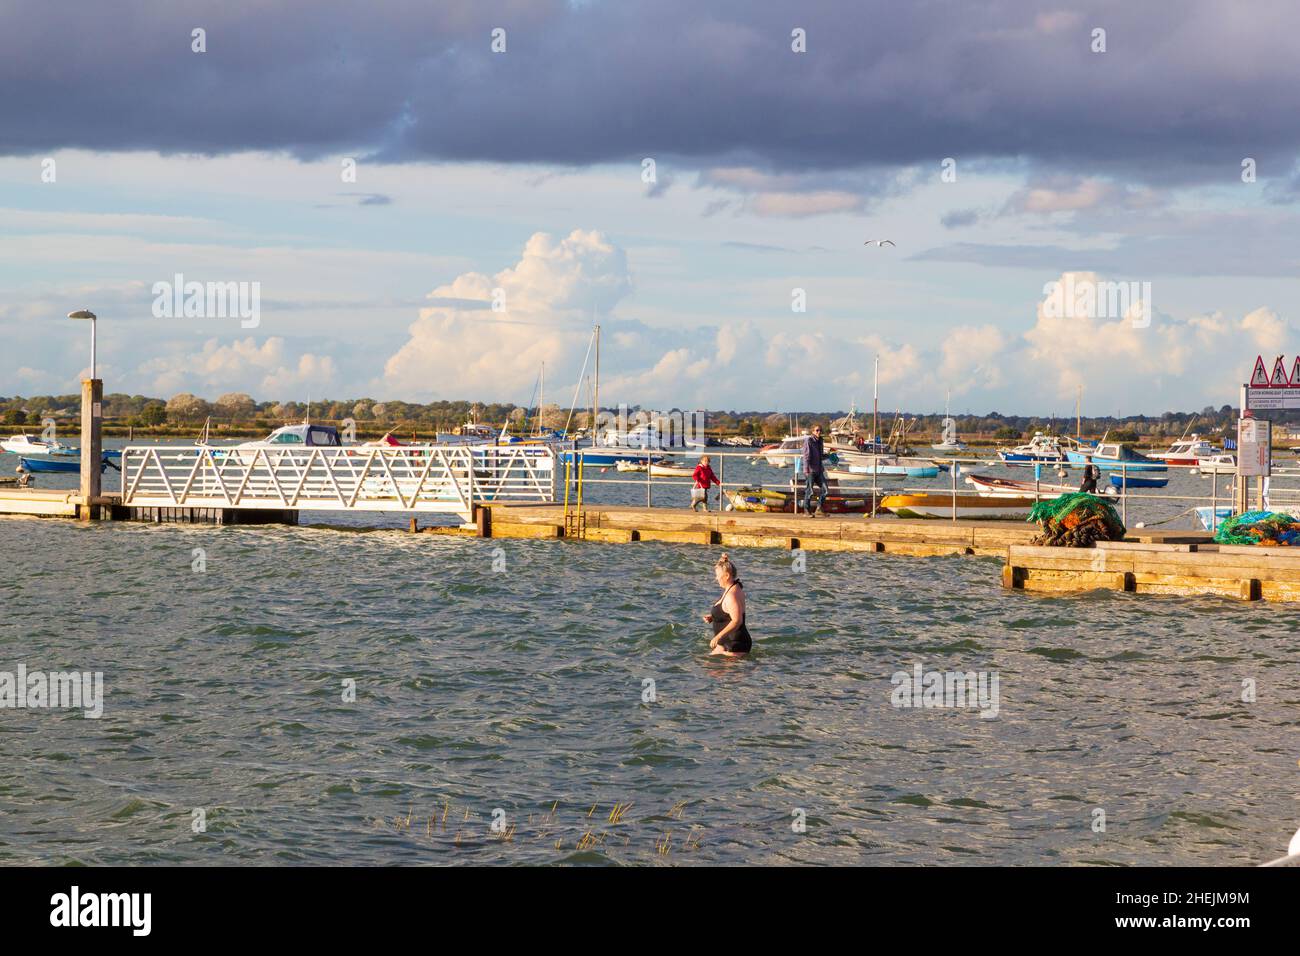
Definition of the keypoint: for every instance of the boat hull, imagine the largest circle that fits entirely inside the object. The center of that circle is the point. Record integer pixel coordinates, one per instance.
(1208, 467)
(604, 458)
(67, 466)
(1136, 481)
(1019, 458)
(990, 486)
(903, 471)
(967, 506)
(1078, 458)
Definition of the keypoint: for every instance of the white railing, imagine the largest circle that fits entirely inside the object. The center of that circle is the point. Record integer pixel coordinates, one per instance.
(440, 478)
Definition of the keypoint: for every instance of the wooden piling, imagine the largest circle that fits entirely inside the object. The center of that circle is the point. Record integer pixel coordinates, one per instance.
(92, 446)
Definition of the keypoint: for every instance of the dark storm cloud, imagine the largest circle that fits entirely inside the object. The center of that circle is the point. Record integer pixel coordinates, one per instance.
(1183, 92)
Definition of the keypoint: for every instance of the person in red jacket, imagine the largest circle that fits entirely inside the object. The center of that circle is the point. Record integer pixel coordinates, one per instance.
(704, 479)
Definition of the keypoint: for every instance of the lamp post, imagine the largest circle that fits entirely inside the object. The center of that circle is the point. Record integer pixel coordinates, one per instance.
(87, 314)
(92, 441)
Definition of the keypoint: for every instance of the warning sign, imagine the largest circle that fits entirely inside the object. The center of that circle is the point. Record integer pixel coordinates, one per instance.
(1278, 378)
(1259, 377)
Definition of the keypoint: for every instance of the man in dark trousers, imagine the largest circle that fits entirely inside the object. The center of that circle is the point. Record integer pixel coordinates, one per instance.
(814, 470)
(1091, 475)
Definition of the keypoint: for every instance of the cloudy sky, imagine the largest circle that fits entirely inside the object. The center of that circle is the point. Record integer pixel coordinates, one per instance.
(502, 200)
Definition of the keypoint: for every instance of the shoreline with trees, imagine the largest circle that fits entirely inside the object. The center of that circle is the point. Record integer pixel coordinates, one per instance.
(239, 415)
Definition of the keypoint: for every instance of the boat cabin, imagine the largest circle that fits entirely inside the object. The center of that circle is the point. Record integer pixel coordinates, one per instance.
(313, 436)
(1113, 451)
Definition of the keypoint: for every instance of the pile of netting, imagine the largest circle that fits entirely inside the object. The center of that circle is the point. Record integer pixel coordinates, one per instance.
(1266, 528)
(1076, 521)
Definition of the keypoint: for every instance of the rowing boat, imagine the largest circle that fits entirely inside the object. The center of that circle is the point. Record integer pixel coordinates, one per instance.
(991, 486)
(967, 506)
(657, 470)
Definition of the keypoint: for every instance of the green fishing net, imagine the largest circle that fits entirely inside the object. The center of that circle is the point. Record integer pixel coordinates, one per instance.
(1269, 528)
(1076, 521)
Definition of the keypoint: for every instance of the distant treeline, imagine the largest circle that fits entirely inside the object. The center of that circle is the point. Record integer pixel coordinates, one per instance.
(237, 411)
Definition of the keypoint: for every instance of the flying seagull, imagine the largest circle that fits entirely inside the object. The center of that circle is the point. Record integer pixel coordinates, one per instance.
(879, 242)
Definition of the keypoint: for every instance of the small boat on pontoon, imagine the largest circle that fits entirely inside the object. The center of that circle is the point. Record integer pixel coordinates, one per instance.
(1112, 456)
(939, 505)
(1212, 517)
(1136, 481)
(779, 502)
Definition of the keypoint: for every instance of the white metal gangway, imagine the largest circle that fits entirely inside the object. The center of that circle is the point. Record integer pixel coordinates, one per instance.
(428, 478)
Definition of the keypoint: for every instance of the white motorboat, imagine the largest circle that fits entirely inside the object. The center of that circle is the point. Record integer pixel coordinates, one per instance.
(1186, 451)
(1040, 448)
(1224, 463)
(30, 445)
(296, 436)
(785, 453)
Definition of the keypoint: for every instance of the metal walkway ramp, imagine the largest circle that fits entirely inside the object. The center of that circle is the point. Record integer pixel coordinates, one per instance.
(417, 478)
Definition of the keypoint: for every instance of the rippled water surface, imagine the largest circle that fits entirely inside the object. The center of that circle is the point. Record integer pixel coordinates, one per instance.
(521, 690)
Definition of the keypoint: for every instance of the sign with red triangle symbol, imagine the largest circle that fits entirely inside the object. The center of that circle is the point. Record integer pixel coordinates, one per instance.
(1259, 377)
(1279, 379)
(1295, 372)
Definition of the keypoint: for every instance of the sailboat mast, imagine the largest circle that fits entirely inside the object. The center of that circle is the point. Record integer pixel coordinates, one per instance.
(541, 398)
(875, 405)
(1078, 413)
(595, 391)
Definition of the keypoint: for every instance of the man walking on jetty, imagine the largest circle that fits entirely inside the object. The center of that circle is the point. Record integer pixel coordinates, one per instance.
(1091, 475)
(814, 471)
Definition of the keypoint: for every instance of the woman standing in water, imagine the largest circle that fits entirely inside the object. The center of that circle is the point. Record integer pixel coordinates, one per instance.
(730, 636)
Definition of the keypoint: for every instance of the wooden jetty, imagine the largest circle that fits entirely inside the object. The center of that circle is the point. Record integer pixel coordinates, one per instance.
(71, 503)
(44, 502)
(739, 529)
(1246, 573)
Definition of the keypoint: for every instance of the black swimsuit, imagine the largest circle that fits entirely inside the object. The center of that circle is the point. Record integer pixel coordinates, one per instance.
(738, 641)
